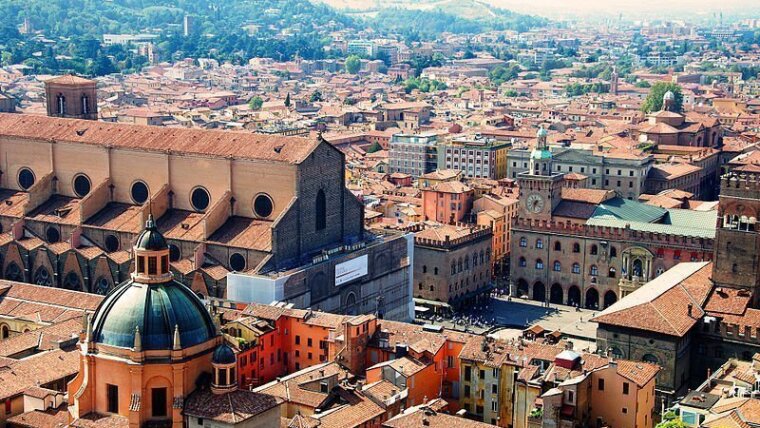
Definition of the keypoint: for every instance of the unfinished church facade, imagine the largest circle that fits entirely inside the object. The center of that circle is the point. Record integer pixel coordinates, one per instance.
(74, 195)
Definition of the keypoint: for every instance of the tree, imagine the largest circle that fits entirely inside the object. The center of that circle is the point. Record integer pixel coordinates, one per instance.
(503, 74)
(353, 64)
(653, 102)
(287, 100)
(255, 103)
(670, 420)
(102, 66)
(316, 96)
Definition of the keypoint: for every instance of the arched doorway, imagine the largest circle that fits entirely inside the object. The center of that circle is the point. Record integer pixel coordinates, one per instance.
(522, 288)
(574, 296)
(5, 332)
(592, 299)
(539, 291)
(557, 294)
(609, 299)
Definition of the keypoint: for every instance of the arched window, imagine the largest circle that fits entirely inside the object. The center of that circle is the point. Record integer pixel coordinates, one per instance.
(482, 257)
(5, 332)
(42, 277)
(459, 265)
(576, 247)
(475, 260)
(61, 104)
(594, 250)
(612, 273)
(85, 104)
(539, 264)
(616, 352)
(102, 286)
(523, 242)
(576, 268)
(557, 246)
(594, 271)
(649, 358)
(523, 262)
(424, 268)
(13, 272)
(557, 266)
(72, 282)
(539, 243)
(613, 252)
(321, 210)
(453, 267)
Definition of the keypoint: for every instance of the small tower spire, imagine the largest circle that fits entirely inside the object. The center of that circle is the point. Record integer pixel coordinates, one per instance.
(176, 346)
(138, 340)
(88, 328)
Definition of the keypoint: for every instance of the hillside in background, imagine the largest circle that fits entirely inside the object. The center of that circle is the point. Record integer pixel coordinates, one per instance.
(429, 19)
(66, 34)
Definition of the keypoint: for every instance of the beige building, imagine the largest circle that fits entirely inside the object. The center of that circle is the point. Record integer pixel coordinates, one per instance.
(270, 209)
(452, 263)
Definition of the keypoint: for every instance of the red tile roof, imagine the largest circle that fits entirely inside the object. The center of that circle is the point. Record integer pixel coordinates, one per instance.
(226, 144)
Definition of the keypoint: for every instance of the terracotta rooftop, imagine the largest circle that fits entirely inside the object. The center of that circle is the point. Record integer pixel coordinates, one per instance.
(670, 304)
(420, 416)
(70, 79)
(226, 144)
(231, 408)
(589, 196)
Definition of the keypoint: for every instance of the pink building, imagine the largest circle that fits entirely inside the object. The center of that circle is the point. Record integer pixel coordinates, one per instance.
(447, 202)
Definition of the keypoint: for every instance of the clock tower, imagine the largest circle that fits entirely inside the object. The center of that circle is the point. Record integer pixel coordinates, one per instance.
(540, 187)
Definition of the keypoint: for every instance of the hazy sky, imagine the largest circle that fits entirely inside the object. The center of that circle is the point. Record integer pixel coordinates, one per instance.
(635, 9)
(692, 10)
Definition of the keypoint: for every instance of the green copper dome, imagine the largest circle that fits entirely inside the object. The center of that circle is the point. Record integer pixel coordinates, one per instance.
(150, 238)
(539, 154)
(223, 354)
(155, 310)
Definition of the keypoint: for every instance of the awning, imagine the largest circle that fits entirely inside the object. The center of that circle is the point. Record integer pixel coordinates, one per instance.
(421, 309)
(433, 303)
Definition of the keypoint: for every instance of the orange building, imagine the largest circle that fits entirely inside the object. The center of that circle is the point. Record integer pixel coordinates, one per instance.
(447, 202)
(147, 345)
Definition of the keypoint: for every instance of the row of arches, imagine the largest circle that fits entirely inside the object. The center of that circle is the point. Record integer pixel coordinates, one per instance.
(571, 297)
(71, 280)
(200, 197)
(576, 247)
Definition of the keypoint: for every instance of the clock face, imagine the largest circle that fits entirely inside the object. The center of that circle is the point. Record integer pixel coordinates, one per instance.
(534, 203)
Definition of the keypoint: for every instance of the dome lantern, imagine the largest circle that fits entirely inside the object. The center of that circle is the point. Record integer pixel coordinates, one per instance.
(151, 255)
(224, 362)
(152, 311)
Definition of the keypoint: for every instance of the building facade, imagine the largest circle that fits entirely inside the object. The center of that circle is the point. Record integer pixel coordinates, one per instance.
(452, 264)
(590, 247)
(270, 209)
(477, 156)
(415, 155)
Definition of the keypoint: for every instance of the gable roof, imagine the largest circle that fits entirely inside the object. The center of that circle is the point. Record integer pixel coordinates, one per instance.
(669, 304)
(226, 144)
